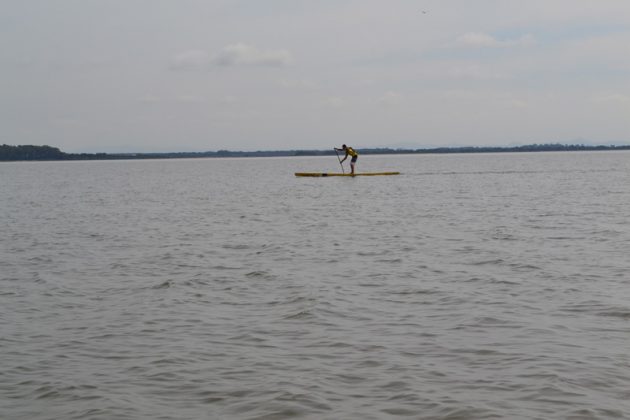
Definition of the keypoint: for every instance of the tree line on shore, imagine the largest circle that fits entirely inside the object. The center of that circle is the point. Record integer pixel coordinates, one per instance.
(30, 152)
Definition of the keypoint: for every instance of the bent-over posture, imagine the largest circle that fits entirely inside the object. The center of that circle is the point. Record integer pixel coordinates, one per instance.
(349, 152)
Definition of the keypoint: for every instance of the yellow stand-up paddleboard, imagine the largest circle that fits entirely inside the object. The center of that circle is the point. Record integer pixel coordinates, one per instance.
(326, 174)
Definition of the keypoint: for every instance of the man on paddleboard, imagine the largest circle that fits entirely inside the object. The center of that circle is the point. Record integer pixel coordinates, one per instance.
(349, 151)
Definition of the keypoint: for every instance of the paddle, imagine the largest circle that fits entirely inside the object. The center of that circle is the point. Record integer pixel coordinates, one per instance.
(339, 159)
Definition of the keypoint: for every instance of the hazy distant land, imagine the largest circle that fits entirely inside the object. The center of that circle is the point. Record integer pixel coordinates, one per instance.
(30, 153)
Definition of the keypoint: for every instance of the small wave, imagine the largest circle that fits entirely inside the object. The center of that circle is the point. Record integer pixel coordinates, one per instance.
(293, 299)
(399, 411)
(261, 274)
(329, 344)
(236, 246)
(504, 237)
(170, 361)
(475, 280)
(565, 238)
(209, 397)
(48, 394)
(621, 314)
(506, 282)
(247, 337)
(224, 267)
(272, 414)
(371, 284)
(496, 261)
(304, 314)
(163, 377)
(524, 267)
(43, 260)
(368, 254)
(478, 352)
(164, 285)
(350, 379)
(484, 321)
(256, 274)
(414, 292)
(599, 309)
(491, 280)
(396, 386)
(48, 391)
(369, 364)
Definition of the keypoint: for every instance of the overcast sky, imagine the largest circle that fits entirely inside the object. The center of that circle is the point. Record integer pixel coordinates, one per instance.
(196, 75)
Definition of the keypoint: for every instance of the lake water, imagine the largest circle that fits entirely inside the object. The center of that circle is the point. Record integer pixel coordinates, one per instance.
(469, 287)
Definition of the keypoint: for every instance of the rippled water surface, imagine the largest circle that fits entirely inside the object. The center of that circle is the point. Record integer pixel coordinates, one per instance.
(469, 287)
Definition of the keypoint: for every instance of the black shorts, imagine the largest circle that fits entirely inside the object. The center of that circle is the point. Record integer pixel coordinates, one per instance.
(354, 159)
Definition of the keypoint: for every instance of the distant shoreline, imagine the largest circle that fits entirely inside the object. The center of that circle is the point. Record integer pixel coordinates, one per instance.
(47, 153)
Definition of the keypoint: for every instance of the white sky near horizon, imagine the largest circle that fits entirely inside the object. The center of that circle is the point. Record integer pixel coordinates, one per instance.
(197, 75)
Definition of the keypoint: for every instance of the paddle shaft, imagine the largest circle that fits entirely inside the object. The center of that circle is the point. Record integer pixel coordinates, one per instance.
(339, 159)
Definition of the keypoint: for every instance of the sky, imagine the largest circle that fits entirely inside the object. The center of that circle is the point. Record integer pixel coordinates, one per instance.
(206, 75)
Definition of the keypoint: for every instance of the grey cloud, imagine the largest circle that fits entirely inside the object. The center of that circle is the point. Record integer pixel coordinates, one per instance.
(231, 55)
(242, 54)
(191, 60)
(482, 40)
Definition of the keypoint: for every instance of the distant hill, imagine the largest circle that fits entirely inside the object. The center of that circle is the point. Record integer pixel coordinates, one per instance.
(29, 152)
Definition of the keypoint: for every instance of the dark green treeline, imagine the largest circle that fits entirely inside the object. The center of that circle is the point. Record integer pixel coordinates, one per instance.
(29, 152)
